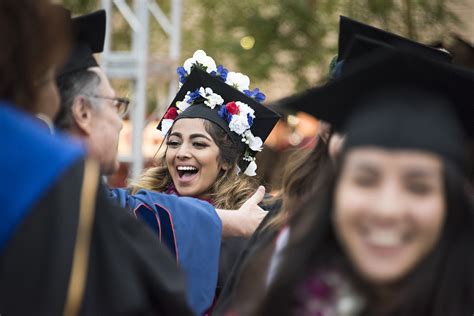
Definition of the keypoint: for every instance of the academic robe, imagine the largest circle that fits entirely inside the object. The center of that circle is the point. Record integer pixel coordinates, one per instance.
(191, 229)
(259, 239)
(129, 272)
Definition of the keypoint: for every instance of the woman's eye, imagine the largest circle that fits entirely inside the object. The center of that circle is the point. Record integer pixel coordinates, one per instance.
(172, 143)
(199, 145)
(419, 188)
(365, 180)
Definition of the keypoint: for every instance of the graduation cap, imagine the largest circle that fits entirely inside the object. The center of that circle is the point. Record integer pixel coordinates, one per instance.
(395, 100)
(349, 28)
(89, 35)
(357, 39)
(247, 122)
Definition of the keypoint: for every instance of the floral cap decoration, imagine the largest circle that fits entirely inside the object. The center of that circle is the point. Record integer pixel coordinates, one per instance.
(223, 97)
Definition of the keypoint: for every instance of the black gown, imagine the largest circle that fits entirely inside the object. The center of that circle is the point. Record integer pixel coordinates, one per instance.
(129, 271)
(260, 238)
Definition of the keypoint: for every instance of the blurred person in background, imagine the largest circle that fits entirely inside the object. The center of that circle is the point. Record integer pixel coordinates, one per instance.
(391, 232)
(90, 109)
(301, 178)
(64, 247)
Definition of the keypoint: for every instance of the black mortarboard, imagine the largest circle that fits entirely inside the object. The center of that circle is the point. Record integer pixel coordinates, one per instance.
(349, 28)
(396, 100)
(357, 39)
(263, 123)
(89, 35)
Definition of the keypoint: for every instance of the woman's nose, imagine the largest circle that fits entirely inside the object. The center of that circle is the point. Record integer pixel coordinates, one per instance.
(390, 202)
(183, 152)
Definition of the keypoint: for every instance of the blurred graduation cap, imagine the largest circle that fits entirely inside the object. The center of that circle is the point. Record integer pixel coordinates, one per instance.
(261, 126)
(349, 28)
(89, 36)
(357, 39)
(396, 100)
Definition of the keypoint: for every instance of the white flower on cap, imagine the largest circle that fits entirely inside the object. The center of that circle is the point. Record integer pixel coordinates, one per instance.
(251, 168)
(238, 81)
(239, 124)
(255, 143)
(200, 57)
(182, 105)
(212, 99)
(245, 109)
(166, 125)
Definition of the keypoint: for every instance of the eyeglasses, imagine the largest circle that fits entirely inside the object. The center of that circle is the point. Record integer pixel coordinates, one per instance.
(121, 104)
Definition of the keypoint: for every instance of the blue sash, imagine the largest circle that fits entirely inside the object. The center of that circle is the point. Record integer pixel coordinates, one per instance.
(31, 161)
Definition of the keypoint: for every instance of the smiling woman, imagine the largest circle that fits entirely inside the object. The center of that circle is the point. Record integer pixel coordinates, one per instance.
(213, 129)
(391, 233)
(192, 158)
(389, 210)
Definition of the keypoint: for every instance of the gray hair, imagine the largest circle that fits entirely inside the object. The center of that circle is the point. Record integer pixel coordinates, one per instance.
(82, 82)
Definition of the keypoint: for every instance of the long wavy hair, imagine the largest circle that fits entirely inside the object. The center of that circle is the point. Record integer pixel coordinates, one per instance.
(300, 177)
(441, 284)
(229, 191)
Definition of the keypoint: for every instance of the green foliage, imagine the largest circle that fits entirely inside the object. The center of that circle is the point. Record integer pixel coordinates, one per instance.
(80, 6)
(298, 37)
(293, 38)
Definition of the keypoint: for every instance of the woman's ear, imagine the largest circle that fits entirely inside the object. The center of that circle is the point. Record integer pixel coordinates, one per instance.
(81, 111)
(225, 166)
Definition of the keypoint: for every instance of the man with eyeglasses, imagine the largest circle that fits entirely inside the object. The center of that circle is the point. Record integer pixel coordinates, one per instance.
(90, 109)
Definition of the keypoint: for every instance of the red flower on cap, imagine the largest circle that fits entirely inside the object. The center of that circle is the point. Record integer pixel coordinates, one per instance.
(232, 108)
(171, 114)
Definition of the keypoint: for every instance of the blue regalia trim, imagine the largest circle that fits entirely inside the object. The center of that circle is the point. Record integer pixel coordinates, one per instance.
(151, 217)
(167, 230)
(161, 223)
(31, 161)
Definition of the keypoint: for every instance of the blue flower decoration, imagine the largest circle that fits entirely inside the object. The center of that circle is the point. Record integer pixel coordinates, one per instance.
(194, 95)
(224, 114)
(182, 74)
(222, 72)
(255, 94)
(250, 120)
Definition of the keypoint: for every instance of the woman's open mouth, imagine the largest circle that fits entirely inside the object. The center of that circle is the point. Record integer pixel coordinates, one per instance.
(186, 173)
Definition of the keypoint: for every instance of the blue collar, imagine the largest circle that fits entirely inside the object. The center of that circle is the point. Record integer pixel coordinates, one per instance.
(31, 161)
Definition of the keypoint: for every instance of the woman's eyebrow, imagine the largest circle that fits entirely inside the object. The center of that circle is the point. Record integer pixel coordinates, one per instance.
(178, 134)
(364, 166)
(200, 135)
(420, 173)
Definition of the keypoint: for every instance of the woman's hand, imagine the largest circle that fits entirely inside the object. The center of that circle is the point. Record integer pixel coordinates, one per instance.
(245, 220)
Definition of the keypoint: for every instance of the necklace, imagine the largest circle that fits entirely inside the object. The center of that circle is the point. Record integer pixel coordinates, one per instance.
(327, 293)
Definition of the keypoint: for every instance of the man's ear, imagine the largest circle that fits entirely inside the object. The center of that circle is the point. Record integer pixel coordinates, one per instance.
(82, 114)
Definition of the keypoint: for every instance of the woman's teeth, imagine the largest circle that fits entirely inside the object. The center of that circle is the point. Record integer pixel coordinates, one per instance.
(384, 238)
(186, 168)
